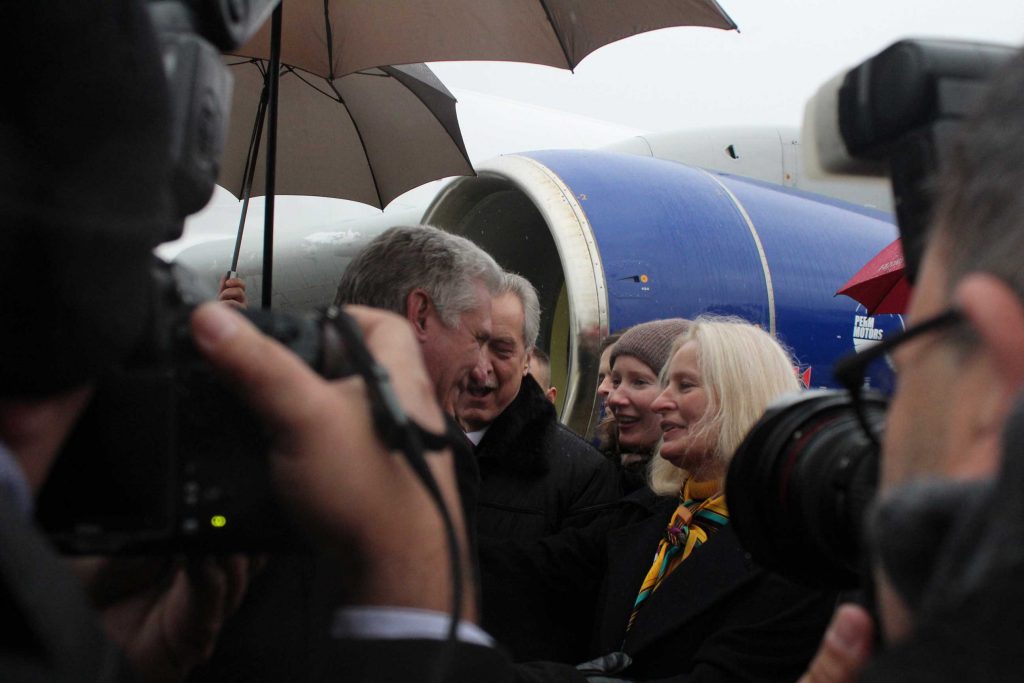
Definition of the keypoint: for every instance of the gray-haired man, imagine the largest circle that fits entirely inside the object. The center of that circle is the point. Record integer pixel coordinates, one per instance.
(442, 284)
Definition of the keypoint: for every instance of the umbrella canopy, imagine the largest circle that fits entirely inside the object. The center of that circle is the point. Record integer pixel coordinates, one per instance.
(881, 286)
(335, 37)
(332, 38)
(368, 137)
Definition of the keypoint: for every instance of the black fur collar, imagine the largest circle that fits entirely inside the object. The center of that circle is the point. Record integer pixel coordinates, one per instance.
(515, 441)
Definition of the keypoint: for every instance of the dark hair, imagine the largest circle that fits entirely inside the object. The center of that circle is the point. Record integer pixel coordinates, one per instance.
(85, 192)
(978, 214)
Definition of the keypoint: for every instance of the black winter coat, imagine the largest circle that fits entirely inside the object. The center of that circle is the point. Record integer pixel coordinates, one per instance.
(717, 617)
(537, 477)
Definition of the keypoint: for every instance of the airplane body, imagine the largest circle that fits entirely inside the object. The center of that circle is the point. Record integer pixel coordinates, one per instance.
(770, 153)
(612, 238)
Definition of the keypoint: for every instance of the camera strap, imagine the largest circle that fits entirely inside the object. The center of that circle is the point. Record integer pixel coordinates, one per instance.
(393, 426)
(400, 433)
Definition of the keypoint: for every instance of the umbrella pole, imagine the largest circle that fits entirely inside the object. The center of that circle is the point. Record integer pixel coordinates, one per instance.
(249, 172)
(268, 214)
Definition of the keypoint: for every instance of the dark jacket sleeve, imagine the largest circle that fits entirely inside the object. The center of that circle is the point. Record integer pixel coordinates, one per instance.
(596, 485)
(539, 597)
(571, 562)
(768, 633)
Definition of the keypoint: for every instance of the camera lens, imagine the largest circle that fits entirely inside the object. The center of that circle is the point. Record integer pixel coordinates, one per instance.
(800, 483)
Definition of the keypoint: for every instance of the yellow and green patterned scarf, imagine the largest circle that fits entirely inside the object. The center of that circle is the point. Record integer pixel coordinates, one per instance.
(700, 514)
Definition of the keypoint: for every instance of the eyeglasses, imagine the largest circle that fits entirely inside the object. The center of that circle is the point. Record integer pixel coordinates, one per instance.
(851, 370)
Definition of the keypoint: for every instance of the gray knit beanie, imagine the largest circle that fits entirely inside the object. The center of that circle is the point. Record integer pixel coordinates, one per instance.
(650, 342)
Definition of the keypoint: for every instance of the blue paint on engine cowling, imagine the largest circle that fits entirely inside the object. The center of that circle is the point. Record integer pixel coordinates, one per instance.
(678, 241)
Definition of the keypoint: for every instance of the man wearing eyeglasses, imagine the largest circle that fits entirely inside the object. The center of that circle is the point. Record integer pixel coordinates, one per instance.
(961, 367)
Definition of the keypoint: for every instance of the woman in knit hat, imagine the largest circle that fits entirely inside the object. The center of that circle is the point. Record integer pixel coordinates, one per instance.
(636, 361)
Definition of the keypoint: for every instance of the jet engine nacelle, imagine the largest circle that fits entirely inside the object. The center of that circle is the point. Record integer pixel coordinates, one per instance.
(611, 240)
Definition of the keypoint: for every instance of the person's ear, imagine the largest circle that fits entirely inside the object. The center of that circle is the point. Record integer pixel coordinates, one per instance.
(997, 314)
(417, 311)
(551, 393)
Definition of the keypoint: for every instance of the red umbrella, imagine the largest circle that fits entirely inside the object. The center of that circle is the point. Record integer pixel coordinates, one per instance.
(881, 285)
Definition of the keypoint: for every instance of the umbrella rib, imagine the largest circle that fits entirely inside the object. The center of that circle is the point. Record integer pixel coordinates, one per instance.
(336, 97)
(329, 32)
(362, 143)
(340, 100)
(413, 84)
(558, 35)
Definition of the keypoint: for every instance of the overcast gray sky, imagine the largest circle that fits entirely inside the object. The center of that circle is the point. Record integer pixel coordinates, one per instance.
(697, 77)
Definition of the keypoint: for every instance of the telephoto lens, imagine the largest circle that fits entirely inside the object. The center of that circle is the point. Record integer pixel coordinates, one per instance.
(800, 483)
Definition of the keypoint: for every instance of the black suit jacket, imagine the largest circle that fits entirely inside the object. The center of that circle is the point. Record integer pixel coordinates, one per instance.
(717, 617)
(536, 478)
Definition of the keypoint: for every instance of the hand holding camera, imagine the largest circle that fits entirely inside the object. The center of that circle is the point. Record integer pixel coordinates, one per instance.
(345, 496)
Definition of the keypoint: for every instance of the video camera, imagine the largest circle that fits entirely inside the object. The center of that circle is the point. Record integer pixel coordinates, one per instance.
(800, 484)
(165, 459)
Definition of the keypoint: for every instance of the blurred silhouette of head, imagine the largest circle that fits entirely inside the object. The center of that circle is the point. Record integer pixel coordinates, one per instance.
(85, 192)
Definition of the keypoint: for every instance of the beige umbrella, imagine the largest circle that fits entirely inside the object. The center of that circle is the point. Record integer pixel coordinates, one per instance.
(335, 37)
(332, 38)
(368, 136)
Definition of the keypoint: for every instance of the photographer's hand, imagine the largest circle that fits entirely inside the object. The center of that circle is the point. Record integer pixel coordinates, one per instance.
(351, 494)
(845, 649)
(165, 614)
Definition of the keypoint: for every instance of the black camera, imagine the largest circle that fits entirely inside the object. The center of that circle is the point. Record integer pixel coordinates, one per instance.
(192, 34)
(167, 459)
(896, 115)
(800, 483)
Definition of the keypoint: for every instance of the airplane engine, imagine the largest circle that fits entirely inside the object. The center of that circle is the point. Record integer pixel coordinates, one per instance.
(611, 240)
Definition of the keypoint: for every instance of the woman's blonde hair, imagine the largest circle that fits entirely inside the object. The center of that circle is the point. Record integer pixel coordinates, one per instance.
(742, 370)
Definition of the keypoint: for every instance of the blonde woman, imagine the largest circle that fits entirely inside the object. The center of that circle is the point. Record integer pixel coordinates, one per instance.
(721, 375)
(673, 592)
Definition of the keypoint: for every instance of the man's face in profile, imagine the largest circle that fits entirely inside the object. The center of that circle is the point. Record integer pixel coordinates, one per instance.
(487, 396)
(931, 423)
(453, 354)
